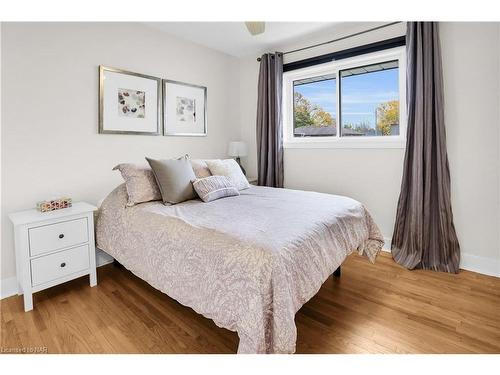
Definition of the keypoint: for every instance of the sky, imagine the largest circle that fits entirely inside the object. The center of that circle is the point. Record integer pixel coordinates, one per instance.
(360, 95)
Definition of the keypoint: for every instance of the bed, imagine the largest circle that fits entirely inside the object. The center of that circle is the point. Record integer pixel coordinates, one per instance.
(247, 262)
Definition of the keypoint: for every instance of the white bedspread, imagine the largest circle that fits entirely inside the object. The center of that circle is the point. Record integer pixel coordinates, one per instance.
(247, 262)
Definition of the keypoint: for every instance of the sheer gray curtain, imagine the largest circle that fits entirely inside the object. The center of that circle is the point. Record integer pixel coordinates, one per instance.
(269, 121)
(424, 235)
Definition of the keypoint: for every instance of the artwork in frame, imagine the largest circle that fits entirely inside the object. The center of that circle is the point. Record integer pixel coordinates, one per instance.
(129, 103)
(184, 109)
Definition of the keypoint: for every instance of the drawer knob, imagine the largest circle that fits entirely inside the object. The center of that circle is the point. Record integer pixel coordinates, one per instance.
(63, 264)
(61, 235)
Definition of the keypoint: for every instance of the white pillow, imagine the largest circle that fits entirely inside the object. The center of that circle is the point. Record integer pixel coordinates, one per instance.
(231, 170)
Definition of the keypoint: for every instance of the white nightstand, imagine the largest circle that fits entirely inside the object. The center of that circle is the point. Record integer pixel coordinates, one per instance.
(53, 247)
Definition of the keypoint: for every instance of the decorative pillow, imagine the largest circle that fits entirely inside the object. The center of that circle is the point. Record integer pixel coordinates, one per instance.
(214, 187)
(174, 178)
(140, 183)
(200, 168)
(231, 170)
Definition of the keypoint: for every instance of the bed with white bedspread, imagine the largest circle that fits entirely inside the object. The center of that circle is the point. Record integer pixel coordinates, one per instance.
(247, 262)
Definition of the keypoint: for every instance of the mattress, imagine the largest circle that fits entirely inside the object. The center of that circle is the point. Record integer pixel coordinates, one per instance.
(247, 262)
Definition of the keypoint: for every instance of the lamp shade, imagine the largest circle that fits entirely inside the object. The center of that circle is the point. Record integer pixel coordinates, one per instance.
(237, 149)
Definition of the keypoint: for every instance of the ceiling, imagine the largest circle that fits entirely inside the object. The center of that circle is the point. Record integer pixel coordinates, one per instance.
(234, 39)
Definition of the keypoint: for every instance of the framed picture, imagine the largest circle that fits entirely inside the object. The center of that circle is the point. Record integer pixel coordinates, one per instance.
(129, 103)
(184, 109)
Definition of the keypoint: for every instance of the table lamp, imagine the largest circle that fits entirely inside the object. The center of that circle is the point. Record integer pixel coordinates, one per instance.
(238, 149)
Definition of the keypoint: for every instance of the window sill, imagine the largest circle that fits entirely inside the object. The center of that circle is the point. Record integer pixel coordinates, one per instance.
(346, 143)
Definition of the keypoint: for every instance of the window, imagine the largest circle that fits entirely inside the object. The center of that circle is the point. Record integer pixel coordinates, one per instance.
(370, 100)
(314, 107)
(356, 102)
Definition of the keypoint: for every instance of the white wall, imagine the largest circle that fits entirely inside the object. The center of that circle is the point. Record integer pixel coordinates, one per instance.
(50, 144)
(249, 72)
(471, 68)
(373, 176)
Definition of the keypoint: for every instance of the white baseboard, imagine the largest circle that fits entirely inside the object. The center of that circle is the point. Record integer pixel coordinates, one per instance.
(102, 258)
(474, 263)
(387, 244)
(8, 287)
(483, 265)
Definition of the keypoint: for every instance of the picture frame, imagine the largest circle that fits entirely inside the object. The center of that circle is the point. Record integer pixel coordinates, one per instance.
(184, 109)
(129, 102)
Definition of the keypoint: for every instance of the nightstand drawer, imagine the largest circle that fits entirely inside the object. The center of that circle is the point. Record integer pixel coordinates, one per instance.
(57, 236)
(54, 266)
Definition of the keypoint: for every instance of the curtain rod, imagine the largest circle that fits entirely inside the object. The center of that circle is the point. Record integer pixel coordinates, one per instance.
(339, 39)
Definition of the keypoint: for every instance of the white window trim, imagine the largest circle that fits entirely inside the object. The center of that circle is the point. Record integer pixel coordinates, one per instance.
(390, 141)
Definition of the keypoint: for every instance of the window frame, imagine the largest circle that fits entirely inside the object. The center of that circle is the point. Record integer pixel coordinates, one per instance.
(335, 67)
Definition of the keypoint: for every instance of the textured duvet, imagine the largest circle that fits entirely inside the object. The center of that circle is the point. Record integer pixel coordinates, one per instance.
(247, 262)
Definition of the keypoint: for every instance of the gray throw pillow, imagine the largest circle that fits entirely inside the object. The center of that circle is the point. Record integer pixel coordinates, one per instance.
(174, 178)
(214, 187)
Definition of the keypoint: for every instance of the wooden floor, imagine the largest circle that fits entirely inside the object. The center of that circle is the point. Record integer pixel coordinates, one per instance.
(379, 308)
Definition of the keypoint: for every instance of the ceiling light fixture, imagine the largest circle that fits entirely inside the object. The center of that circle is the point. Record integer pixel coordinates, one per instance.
(256, 28)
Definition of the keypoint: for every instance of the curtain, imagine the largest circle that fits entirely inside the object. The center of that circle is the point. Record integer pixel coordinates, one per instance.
(424, 235)
(269, 121)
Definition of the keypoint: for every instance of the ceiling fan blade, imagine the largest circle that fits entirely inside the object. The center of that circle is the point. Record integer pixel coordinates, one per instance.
(256, 28)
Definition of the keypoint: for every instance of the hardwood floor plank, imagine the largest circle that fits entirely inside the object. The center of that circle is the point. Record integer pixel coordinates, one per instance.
(381, 308)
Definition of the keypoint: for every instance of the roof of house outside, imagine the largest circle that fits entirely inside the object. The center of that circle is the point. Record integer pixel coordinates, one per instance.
(315, 131)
